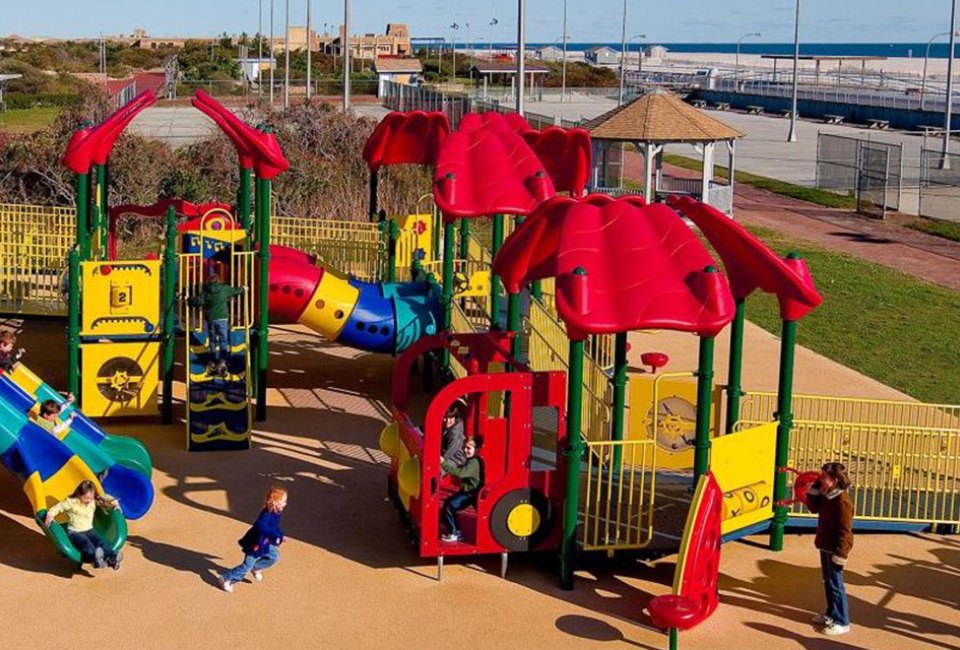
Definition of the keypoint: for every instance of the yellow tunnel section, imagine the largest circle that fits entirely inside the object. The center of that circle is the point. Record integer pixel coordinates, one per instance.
(332, 302)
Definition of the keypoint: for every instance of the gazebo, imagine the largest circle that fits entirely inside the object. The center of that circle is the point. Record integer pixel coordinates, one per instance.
(651, 122)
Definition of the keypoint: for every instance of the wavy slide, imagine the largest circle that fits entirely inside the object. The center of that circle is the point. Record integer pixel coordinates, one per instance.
(374, 316)
(51, 467)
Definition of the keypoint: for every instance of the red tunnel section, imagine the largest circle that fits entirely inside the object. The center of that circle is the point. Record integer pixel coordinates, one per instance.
(293, 281)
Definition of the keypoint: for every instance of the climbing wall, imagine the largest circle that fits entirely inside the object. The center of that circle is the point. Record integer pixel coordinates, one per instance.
(218, 416)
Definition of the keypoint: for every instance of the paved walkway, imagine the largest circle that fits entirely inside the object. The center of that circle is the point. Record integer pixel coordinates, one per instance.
(888, 243)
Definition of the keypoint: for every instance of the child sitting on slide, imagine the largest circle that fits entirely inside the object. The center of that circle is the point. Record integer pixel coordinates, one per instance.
(49, 417)
(8, 358)
(80, 508)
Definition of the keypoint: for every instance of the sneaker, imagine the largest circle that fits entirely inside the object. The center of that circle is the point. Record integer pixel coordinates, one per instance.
(258, 576)
(225, 584)
(211, 368)
(821, 619)
(450, 537)
(98, 561)
(835, 630)
(115, 563)
(222, 368)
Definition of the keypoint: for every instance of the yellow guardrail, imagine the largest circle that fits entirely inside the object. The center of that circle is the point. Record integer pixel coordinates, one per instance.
(34, 243)
(190, 269)
(352, 247)
(618, 503)
(903, 457)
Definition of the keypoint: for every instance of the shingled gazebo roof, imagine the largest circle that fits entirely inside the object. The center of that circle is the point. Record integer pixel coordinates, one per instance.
(659, 116)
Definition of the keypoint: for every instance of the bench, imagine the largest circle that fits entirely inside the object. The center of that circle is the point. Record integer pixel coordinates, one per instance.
(722, 106)
(699, 103)
(874, 123)
(755, 110)
(833, 119)
(930, 130)
(786, 112)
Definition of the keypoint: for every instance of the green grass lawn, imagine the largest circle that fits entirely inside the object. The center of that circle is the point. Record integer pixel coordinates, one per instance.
(808, 194)
(887, 325)
(28, 120)
(946, 229)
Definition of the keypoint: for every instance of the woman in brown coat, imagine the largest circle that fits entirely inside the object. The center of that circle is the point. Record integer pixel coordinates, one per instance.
(829, 500)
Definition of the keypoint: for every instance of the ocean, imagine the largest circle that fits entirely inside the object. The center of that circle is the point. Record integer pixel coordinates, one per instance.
(938, 50)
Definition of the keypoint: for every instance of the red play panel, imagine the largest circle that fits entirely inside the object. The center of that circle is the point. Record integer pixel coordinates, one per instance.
(750, 264)
(406, 138)
(645, 267)
(566, 155)
(487, 168)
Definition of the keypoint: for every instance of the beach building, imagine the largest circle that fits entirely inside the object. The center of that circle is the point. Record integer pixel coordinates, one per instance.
(550, 53)
(404, 70)
(650, 123)
(602, 55)
(655, 52)
(394, 42)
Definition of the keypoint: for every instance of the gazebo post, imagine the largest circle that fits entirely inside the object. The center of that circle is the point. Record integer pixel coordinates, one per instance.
(708, 151)
(647, 168)
(731, 168)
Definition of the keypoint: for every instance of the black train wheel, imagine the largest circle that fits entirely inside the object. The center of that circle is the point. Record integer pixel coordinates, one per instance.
(520, 519)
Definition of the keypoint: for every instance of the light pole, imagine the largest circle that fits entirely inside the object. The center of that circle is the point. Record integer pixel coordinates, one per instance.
(345, 42)
(947, 114)
(926, 59)
(736, 65)
(792, 135)
(639, 51)
(259, 50)
(455, 27)
(563, 82)
(286, 59)
(271, 54)
(623, 51)
(521, 52)
(493, 23)
(309, 53)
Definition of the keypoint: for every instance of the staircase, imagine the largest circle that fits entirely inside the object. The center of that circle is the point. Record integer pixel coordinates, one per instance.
(218, 412)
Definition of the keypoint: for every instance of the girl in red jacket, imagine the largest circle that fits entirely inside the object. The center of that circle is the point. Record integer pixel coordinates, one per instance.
(829, 500)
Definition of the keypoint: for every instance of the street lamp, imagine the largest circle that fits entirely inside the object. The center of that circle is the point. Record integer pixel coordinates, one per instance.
(286, 60)
(455, 27)
(309, 54)
(563, 83)
(926, 58)
(792, 135)
(271, 54)
(521, 52)
(639, 51)
(736, 65)
(345, 46)
(623, 50)
(260, 50)
(949, 110)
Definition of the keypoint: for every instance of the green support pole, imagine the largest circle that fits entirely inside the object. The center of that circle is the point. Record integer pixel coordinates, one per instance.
(788, 343)
(169, 313)
(83, 205)
(701, 453)
(449, 239)
(103, 182)
(243, 198)
(735, 369)
(374, 203)
(674, 640)
(436, 233)
(393, 233)
(253, 236)
(572, 454)
(619, 395)
(495, 279)
(464, 239)
(513, 323)
(263, 295)
(73, 324)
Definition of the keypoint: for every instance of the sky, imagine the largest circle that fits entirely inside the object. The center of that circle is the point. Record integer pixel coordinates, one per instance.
(667, 21)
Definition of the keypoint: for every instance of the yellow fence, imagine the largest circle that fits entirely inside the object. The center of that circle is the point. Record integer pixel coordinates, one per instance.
(352, 247)
(190, 269)
(34, 244)
(618, 503)
(903, 457)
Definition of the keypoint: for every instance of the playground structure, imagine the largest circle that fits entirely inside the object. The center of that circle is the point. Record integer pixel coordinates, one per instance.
(559, 271)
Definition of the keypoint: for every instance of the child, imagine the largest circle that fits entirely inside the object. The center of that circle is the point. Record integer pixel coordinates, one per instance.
(470, 474)
(9, 360)
(80, 508)
(451, 442)
(829, 500)
(260, 543)
(214, 300)
(49, 416)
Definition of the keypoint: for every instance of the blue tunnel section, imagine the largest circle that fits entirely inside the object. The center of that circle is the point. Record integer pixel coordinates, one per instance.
(390, 316)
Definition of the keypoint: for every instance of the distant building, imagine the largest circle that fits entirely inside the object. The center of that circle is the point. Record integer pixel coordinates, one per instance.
(120, 91)
(602, 55)
(550, 53)
(398, 70)
(395, 42)
(251, 67)
(142, 40)
(655, 52)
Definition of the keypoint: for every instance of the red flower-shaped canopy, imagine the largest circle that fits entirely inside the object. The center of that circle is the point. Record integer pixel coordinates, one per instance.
(566, 155)
(93, 144)
(645, 269)
(750, 264)
(406, 138)
(487, 168)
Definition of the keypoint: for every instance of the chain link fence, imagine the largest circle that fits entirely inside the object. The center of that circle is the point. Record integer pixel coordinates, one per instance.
(869, 170)
(940, 185)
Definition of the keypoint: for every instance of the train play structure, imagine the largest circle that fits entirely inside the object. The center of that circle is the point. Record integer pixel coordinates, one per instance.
(526, 330)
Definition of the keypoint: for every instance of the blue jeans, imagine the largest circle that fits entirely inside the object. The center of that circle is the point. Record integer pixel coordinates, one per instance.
(87, 542)
(253, 563)
(218, 338)
(837, 608)
(451, 506)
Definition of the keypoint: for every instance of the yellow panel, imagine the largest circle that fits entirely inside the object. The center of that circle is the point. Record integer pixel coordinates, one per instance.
(331, 306)
(25, 379)
(120, 298)
(405, 489)
(44, 494)
(120, 378)
(416, 233)
(743, 463)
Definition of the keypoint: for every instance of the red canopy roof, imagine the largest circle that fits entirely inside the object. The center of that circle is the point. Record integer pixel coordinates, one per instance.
(566, 155)
(486, 168)
(406, 138)
(93, 144)
(645, 269)
(750, 264)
